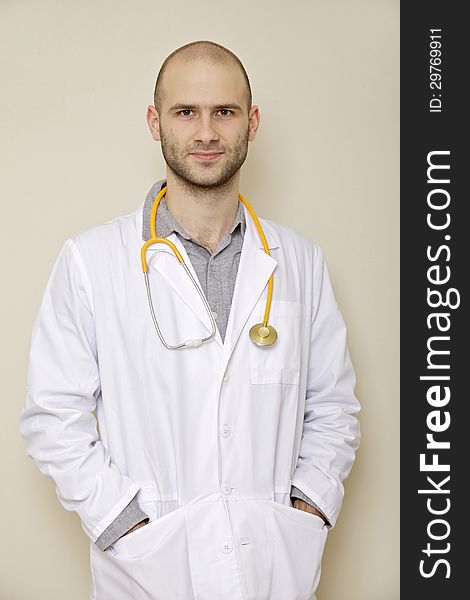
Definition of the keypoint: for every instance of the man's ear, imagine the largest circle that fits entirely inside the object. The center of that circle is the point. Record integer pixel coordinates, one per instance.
(153, 121)
(253, 122)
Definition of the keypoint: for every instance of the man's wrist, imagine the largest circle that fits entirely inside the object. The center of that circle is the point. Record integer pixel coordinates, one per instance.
(302, 505)
(137, 526)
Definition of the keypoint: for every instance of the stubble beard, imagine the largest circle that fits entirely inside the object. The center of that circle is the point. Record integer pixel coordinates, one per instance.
(204, 176)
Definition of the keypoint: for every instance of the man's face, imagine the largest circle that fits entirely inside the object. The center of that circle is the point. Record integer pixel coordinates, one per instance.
(204, 124)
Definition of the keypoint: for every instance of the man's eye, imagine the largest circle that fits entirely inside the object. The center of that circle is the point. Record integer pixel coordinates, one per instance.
(186, 112)
(225, 112)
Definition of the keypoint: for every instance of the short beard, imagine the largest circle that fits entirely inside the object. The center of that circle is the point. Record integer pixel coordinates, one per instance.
(184, 173)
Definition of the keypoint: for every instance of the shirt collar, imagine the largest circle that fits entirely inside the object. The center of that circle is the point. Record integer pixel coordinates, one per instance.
(166, 223)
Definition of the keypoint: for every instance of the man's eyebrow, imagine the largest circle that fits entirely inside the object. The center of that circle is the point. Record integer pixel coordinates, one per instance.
(180, 106)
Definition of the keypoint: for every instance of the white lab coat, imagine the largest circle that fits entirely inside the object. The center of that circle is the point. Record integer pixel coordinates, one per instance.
(211, 438)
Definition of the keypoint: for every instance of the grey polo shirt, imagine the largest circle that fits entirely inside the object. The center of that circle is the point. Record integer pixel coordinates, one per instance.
(217, 273)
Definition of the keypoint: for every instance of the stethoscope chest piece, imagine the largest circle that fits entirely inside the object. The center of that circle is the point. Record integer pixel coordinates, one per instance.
(263, 335)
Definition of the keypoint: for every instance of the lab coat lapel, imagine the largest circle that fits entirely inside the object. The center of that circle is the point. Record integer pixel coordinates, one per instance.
(167, 265)
(253, 274)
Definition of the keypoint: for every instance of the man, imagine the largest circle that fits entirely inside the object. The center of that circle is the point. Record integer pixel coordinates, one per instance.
(209, 472)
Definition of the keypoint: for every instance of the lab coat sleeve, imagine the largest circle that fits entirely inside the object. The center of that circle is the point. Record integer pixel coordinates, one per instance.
(58, 422)
(331, 433)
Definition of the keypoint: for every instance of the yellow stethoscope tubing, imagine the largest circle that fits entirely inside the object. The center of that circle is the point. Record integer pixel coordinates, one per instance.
(266, 249)
(156, 240)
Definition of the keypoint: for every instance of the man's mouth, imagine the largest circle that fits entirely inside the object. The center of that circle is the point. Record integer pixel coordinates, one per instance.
(206, 155)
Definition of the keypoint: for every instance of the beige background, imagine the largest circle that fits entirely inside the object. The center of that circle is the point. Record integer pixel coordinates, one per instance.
(75, 80)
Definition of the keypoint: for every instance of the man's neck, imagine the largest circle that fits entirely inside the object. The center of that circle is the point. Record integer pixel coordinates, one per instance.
(205, 213)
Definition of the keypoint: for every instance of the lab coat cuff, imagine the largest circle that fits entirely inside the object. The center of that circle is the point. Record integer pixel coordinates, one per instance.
(126, 520)
(96, 530)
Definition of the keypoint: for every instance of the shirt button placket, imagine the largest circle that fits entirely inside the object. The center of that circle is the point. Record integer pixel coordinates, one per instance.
(226, 430)
(225, 486)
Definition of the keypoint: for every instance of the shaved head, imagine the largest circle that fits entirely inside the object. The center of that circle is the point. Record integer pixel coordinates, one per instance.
(195, 51)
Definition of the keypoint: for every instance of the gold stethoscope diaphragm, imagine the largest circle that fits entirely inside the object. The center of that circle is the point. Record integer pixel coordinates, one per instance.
(261, 334)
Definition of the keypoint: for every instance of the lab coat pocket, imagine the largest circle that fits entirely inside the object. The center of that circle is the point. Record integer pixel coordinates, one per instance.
(280, 362)
(298, 539)
(150, 563)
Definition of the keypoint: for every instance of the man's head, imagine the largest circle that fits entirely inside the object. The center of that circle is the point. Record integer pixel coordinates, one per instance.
(203, 114)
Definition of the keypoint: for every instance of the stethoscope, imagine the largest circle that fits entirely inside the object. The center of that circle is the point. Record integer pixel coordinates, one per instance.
(261, 334)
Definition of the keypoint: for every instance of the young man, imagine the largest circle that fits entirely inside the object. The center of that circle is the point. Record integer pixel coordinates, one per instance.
(218, 465)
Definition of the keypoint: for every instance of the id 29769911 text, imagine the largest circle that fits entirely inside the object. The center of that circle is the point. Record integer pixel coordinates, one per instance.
(435, 70)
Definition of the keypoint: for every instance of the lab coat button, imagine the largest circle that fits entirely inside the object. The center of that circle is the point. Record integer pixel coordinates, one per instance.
(227, 489)
(227, 548)
(226, 377)
(214, 314)
(226, 431)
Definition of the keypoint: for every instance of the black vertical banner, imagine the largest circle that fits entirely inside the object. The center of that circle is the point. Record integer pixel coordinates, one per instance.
(435, 266)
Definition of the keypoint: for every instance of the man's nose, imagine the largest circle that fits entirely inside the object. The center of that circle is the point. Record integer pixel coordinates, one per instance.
(206, 131)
